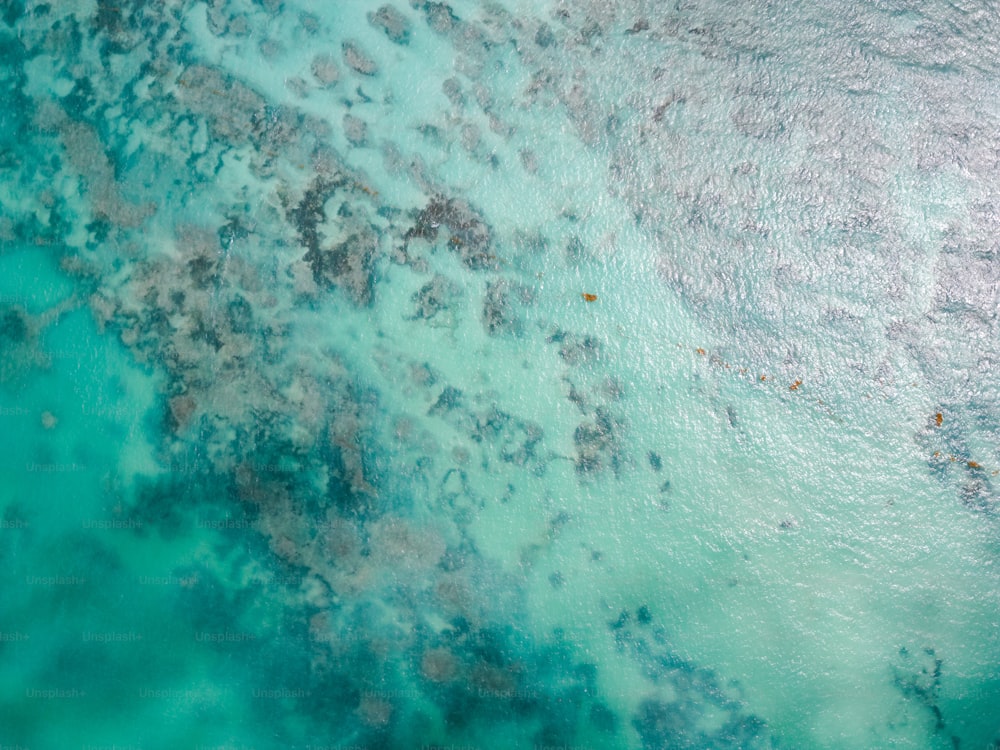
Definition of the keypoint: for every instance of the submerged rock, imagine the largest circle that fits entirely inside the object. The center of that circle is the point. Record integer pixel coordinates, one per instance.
(357, 60)
(544, 36)
(88, 155)
(450, 398)
(598, 443)
(440, 16)
(434, 297)
(918, 675)
(516, 441)
(529, 160)
(452, 88)
(324, 70)
(471, 137)
(392, 22)
(501, 305)
(355, 130)
(574, 348)
(347, 265)
(229, 106)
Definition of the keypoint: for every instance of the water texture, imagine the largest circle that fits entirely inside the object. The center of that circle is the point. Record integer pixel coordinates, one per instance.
(499, 375)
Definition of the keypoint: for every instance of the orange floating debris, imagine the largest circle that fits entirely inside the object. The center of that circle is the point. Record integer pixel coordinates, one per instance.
(763, 377)
(795, 386)
(700, 351)
(590, 297)
(973, 465)
(938, 418)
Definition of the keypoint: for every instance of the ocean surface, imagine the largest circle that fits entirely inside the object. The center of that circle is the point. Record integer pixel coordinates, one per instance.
(518, 374)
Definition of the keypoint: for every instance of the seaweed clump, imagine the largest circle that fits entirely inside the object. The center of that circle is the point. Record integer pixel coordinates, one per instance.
(680, 724)
(347, 263)
(688, 706)
(516, 440)
(918, 676)
(470, 236)
(500, 306)
(434, 297)
(598, 443)
(575, 349)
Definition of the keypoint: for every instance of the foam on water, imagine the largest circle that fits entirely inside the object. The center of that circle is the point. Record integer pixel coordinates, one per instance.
(501, 375)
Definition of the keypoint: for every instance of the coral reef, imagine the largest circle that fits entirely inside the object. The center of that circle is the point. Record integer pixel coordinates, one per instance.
(333, 331)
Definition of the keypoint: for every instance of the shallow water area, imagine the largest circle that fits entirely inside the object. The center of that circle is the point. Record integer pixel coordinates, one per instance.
(499, 375)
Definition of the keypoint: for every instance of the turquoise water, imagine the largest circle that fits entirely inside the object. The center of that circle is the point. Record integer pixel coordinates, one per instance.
(499, 375)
